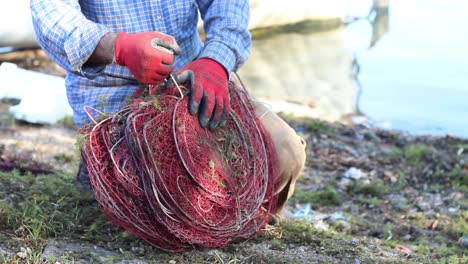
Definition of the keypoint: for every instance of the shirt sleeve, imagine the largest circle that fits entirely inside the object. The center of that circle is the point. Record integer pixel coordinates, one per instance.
(66, 35)
(228, 39)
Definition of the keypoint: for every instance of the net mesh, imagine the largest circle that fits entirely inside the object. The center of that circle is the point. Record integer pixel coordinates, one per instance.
(159, 175)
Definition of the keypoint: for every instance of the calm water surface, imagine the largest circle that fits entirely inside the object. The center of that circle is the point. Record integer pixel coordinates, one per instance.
(406, 69)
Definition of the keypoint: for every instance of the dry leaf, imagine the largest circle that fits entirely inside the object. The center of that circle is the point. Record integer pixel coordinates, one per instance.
(403, 249)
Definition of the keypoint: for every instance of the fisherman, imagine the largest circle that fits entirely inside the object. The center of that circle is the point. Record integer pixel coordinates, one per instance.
(109, 48)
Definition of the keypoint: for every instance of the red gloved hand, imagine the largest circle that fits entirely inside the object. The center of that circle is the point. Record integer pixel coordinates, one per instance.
(150, 56)
(209, 94)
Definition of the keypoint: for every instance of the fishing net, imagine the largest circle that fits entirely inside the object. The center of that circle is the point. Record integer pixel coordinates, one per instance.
(159, 175)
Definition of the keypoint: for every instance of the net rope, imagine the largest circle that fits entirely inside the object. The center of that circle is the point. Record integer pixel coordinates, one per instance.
(159, 175)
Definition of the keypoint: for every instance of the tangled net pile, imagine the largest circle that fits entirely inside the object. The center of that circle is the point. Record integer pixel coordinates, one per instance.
(159, 175)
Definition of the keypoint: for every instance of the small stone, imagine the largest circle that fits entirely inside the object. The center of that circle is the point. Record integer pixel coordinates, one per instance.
(423, 205)
(437, 201)
(344, 182)
(321, 225)
(354, 173)
(413, 247)
(172, 261)
(399, 201)
(5, 252)
(390, 176)
(463, 241)
(22, 255)
(302, 249)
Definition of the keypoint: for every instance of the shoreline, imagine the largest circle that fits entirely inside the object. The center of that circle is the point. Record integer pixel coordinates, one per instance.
(395, 190)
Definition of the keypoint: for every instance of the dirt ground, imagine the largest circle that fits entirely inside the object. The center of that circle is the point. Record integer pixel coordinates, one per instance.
(403, 199)
(365, 196)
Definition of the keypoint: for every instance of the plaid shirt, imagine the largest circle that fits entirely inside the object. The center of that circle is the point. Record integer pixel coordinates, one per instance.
(69, 31)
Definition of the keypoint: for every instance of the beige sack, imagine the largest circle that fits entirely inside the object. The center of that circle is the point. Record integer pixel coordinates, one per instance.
(290, 148)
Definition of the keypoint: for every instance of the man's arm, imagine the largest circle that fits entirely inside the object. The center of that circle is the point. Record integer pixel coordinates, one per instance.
(227, 47)
(228, 39)
(105, 51)
(68, 37)
(84, 47)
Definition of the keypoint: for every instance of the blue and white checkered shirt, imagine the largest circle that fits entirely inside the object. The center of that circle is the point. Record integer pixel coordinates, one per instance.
(69, 31)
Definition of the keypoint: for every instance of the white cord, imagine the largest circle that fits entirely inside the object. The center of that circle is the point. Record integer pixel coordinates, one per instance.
(178, 87)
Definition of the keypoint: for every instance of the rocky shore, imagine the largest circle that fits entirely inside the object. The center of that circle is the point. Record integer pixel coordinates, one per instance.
(366, 196)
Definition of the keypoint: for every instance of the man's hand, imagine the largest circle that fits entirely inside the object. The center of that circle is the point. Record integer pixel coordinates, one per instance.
(209, 94)
(150, 56)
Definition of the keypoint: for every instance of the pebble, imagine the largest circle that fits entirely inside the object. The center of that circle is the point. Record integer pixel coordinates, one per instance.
(399, 201)
(463, 241)
(354, 173)
(22, 255)
(423, 205)
(302, 249)
(344, 182)
(429, 201)
(453, 210)
(321, 225)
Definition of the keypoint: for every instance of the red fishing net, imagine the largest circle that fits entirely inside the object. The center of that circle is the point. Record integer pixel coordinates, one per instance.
(159, 175)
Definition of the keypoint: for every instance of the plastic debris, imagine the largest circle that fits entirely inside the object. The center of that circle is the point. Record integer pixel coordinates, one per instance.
(305, 212)
(319, 220)
(354, 173)
(337, 216)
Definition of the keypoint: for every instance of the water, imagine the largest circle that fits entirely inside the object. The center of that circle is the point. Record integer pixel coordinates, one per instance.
(406, 71)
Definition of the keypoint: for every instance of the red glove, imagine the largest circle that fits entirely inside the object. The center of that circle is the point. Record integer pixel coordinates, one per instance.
(209, 95)
(149, 55)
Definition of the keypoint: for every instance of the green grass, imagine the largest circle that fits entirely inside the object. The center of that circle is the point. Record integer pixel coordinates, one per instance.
(318, 127)
(64, 158)
(373, 201)
(418, 154)
(459, 227)
(301, 231)
(458, 177)
(442, 247)
(464, 146)
(67, 121)
(326, 197)
(45, 206)
(414, 154)
(278, 244)
(372, 190)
